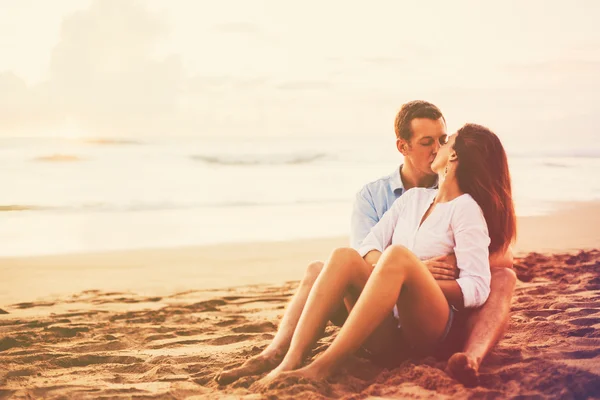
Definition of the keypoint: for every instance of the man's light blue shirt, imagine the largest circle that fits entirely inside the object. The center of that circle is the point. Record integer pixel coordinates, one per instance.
(373, 200)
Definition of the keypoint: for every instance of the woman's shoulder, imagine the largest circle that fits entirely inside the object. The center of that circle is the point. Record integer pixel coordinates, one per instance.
(465, 199)
(465, 205)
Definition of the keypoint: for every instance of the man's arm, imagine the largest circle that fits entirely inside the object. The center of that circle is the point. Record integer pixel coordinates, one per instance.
(364, 218)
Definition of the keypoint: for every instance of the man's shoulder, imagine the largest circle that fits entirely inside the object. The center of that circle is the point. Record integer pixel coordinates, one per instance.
(378, 184)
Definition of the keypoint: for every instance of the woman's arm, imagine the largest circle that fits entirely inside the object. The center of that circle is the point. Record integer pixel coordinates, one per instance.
(471, 249)
(452, 292)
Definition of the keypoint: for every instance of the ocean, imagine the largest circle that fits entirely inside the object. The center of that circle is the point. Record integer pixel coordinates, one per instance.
(64, 195)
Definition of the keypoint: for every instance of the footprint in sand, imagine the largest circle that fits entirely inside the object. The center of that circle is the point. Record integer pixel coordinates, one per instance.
(581, 354)
(585, 321)
(582, 332)
(177, 344)
(229, 339)
(583, 312)
(208, 305)
(21, 372)
(64, 332)
(23, 306)
(593, 284)
(232, 320)
(278, 299)
(152, 338)
(8, 343)
(93, 347)
(585, 342)
(539, 313)
(257, 327)
(85, 360)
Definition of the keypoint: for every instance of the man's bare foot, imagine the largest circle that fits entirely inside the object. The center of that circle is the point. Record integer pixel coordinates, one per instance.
(463, 369)
(254, 366)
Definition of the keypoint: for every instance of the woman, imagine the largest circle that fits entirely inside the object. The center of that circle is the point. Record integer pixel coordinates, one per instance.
(400, 303)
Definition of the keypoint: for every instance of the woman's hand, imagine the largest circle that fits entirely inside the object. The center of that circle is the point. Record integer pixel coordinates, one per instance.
(443, 268)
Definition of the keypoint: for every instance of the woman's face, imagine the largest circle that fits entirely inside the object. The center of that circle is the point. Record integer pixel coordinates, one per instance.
(443, 155)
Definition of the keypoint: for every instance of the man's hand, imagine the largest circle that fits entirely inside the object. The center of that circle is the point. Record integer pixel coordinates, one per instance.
(443, 268)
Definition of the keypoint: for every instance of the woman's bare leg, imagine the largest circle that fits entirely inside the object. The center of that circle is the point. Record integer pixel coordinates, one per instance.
(399, 277)
(345, 269)
(272, 355)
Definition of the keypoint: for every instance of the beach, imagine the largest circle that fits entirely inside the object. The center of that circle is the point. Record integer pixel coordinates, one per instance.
(161, 322)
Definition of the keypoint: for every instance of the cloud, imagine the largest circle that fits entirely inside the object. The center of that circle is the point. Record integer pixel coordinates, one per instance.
(23, 108)
(572, 69)
(385, 61)
(104, 75)
(305, 85)
(238, 27)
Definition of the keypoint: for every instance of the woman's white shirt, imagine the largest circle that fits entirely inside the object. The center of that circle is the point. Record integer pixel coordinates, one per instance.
(457, 226)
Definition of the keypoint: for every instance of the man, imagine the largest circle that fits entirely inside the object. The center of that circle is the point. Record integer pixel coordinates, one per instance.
(420, 130)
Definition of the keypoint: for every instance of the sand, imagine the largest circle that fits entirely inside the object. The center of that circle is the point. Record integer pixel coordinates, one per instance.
(160, 323)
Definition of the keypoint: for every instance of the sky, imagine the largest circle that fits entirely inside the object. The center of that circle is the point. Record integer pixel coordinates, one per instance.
(123, 68)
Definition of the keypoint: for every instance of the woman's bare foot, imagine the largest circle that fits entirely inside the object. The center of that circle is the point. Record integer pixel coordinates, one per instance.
(256, 365)
(464, 369)
(281, 378)
(308, 373)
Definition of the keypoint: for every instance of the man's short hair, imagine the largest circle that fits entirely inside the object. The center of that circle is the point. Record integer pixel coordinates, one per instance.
(412, 110)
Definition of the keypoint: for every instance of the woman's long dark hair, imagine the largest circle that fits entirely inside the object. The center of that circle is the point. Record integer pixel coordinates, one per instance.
(483, 173)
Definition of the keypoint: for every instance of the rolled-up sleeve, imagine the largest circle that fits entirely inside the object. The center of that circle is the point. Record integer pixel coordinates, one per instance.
(380, 236)
(472, 242)
(364, 217)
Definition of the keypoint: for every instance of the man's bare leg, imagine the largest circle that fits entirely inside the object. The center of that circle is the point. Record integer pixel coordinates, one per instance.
(485, 328)
(273, 354)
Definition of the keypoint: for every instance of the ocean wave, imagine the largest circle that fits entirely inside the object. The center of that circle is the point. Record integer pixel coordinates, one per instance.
(58, 158)
(256, 159)
(109, 141)
(577, 153)
(136, 207)
(18, 207)
(555, 165)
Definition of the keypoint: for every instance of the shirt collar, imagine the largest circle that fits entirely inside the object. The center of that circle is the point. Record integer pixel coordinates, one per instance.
(396, 182)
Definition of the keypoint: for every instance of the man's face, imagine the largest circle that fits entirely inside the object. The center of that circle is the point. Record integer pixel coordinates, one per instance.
(428, 136)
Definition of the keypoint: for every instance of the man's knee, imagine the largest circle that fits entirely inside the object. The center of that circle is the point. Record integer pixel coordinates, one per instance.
(503, 280)
(312, 272)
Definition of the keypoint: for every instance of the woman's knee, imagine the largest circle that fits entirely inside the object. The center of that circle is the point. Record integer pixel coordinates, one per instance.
(312, 272)
(344, 255)
(395, 260)
(397, 254)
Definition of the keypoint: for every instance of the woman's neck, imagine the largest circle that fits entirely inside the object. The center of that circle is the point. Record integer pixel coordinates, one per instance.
(411, 177)
(448, 189)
